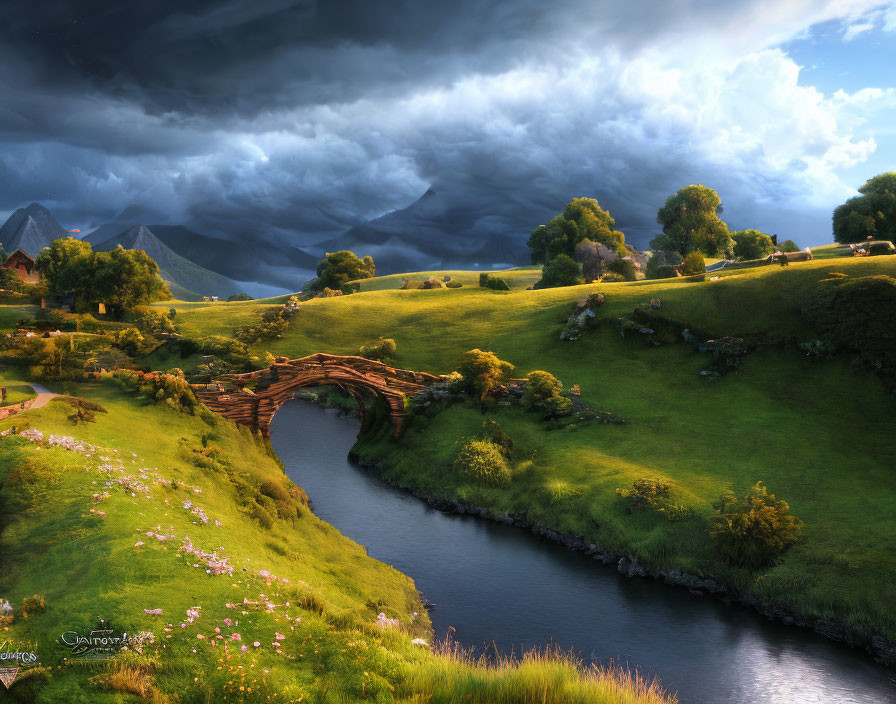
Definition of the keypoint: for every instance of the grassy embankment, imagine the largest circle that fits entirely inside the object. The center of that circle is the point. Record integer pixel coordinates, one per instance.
(16, 392)
(101, 533)
(818, 433)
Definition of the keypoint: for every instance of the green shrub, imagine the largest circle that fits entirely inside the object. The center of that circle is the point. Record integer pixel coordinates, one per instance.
(694, 263)
(645, 493)
(150, 322)
(493, 282)
(540, 387)
(453, 284)
(495, 434)
(483, 372)
(84, 410)
(663, 264)
(411, 284)
(558, 406)
(562, 270)
(483, 462)
(130, 341)
(381, 349)
(240, 297)
(754, 531)
(625, 268)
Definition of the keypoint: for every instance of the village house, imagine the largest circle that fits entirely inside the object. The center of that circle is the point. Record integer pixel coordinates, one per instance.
(22, 264)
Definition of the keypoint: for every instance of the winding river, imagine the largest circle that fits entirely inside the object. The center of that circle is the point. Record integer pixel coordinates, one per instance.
(502, 587)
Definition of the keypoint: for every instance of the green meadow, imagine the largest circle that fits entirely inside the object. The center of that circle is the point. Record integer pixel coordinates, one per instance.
(819, 434)
(185, 526)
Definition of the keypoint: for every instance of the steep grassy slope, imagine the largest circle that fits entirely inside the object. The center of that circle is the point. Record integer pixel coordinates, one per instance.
(284, 610)
(819, 434)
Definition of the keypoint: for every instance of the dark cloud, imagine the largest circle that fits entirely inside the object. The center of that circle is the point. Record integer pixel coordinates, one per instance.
(294, 120)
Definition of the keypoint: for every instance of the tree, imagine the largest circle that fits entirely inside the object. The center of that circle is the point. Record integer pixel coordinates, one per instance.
(752, 244)
(753, 531)
(540, 387)
(593, 256)
(581, 219)
(872, 214)
(483, 372)
(66, 266)
(694, 263)
(338, 268)
(789, 246)
(562, 270)
(691, 223)
(126, 278)
(239, 297)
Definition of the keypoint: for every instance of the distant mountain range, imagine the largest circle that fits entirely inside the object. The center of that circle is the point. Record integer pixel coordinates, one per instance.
(431, 233)
(30, 229)
(172, 266)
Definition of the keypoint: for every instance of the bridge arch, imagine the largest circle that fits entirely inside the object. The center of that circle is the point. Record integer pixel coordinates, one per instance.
(253, 398)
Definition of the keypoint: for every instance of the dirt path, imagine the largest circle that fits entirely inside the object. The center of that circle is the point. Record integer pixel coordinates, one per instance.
(43, 395)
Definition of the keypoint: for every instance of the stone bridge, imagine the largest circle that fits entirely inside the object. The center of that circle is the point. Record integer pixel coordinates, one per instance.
(253, 398)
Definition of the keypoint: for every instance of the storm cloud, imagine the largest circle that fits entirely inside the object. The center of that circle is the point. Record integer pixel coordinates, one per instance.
(293, 121)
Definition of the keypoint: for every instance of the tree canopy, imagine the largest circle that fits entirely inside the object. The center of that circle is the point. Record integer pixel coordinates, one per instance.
(872, 214)
(691, 223)
(581, 219)
(121, 278)
(752, 244)
(483, 372)
(338, 268)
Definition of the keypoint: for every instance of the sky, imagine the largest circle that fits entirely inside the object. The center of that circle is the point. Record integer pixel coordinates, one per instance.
(293, 120)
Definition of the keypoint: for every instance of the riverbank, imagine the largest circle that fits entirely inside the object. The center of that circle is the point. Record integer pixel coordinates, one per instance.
(880, 648)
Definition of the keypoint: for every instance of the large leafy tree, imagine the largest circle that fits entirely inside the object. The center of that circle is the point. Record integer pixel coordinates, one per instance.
(581, 219)
(752, 244)
(121, 278)
(66, 266)
(872, 214)
(338, 268)
(691, 223)
(126, 278)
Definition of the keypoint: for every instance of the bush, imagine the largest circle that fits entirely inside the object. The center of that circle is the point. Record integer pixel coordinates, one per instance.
(645, 493)
(789, 246)
(562, 270)
(240, 297)
(493, 432)
(130, 341)
(625, 268)
(483, 462)
(84, 410)
(149, 322)
(493, 282)
(483, 372)
(541, 386)
(453, 284)
(752, 244)
(754, 531)
(381, 349)
(694, 263)
(663, 264)
(411, 284)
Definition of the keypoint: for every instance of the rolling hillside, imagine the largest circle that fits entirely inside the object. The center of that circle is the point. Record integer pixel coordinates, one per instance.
(782, 418)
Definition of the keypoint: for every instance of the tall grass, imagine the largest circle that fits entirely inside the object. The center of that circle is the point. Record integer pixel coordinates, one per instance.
(538, 676)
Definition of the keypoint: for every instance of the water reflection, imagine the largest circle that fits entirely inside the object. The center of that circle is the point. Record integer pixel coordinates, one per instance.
(502, 587)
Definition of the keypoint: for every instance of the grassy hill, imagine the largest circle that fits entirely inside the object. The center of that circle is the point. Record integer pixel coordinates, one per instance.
(818, 433)
(185, 526)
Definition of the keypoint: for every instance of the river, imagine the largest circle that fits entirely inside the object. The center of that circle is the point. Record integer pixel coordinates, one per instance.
(502, 587)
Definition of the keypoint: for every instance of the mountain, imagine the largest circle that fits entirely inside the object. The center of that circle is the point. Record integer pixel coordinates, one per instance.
(30, 229)
(433, 232)
(172, 266)
(273, 264)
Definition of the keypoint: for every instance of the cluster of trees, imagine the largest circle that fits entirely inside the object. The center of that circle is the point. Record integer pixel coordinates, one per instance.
(336, 269)
(572, 237)
(122, 278)
(872, 214)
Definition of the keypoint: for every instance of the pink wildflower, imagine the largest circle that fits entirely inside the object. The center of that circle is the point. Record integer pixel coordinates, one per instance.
(243, 648)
